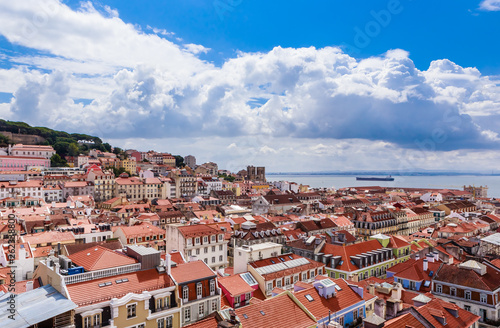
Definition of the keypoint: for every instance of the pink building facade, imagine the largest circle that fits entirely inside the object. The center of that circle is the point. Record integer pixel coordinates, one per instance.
(14, 163)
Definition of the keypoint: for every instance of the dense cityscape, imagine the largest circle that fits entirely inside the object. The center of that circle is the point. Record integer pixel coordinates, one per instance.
(131, 238)
(249, 164)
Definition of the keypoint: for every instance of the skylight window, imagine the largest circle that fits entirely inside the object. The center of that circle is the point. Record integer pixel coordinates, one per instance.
(309, 298)
(245, 316)
(272, 261)
(262, 312)
(109, 283)
(119, 281)
(282, 259)
(102, 285)
(290, 257)
(124, 279)
(337, 287)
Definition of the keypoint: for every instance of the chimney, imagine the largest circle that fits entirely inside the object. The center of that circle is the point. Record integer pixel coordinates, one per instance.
(417, 256)
(168, 262)
(29, 285)
(371, 289)
(436, 256)
(430, 257)
(426, 265)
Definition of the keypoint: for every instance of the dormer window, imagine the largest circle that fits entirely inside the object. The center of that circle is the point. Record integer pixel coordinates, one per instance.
(189, 241)
(197, 241)
(467, 295)
(199, 290)
(185, 293)
(212, 287)
(483, 298)
(205, 240)
(221, 237)
(213, 238)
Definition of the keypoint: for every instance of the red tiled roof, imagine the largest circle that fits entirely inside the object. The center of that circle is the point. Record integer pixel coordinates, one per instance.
(197, 230)
(281, 309)
(191, 271)
(141, 230)
(321, 306)
(89, 292)
(98, 258)
(235, 285)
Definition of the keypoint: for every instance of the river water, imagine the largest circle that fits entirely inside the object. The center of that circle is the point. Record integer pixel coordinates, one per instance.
(434, 181)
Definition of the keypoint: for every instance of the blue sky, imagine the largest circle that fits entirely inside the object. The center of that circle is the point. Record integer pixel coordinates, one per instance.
(290, 85)
(455, 29)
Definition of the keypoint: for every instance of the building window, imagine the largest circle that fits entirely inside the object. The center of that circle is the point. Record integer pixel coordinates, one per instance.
(185, 293)
(159, 303)
(197, 241)
(467, 295)
(221, 258)
(439, 288)
(168, 322)
(214, 305)
(213, 248)
(483, 298)
(97, 320)
(355, 314)
(197, 251)
(131, 310)
(187, 314)
(205, 240)
(304, 276)
(161, 323)
(287, 281)
(212, 287)
(199, 290)
(278, 283)
(453, 291)
(467, 308)
(361, 312)
(237, 299)
(269, 286)
(341, 320)
(221, 247)
(213, 238)
(221, 237)
(201, 309)
(87, 322)
(295, 278)
(248, 296)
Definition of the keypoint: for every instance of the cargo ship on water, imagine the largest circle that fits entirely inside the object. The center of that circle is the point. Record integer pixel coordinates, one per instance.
(387, 178)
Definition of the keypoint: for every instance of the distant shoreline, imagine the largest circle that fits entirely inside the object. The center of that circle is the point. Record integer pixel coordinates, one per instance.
(403, 174)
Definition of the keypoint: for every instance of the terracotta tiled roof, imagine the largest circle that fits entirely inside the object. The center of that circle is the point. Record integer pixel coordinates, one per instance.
(321, 306)
(191, 271)
(197, 230)
(282, 310)
(210, 322)
(141, 230)
(49, 237)
(99, 257)
(490, 281)
(89, 292)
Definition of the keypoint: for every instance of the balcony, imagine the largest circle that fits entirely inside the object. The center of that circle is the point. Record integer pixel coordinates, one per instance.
(91, 275)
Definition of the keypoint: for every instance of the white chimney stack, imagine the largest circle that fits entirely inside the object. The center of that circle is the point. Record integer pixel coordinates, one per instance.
(29, 285)
(426, 265)
(430, 257)
(168, 262)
